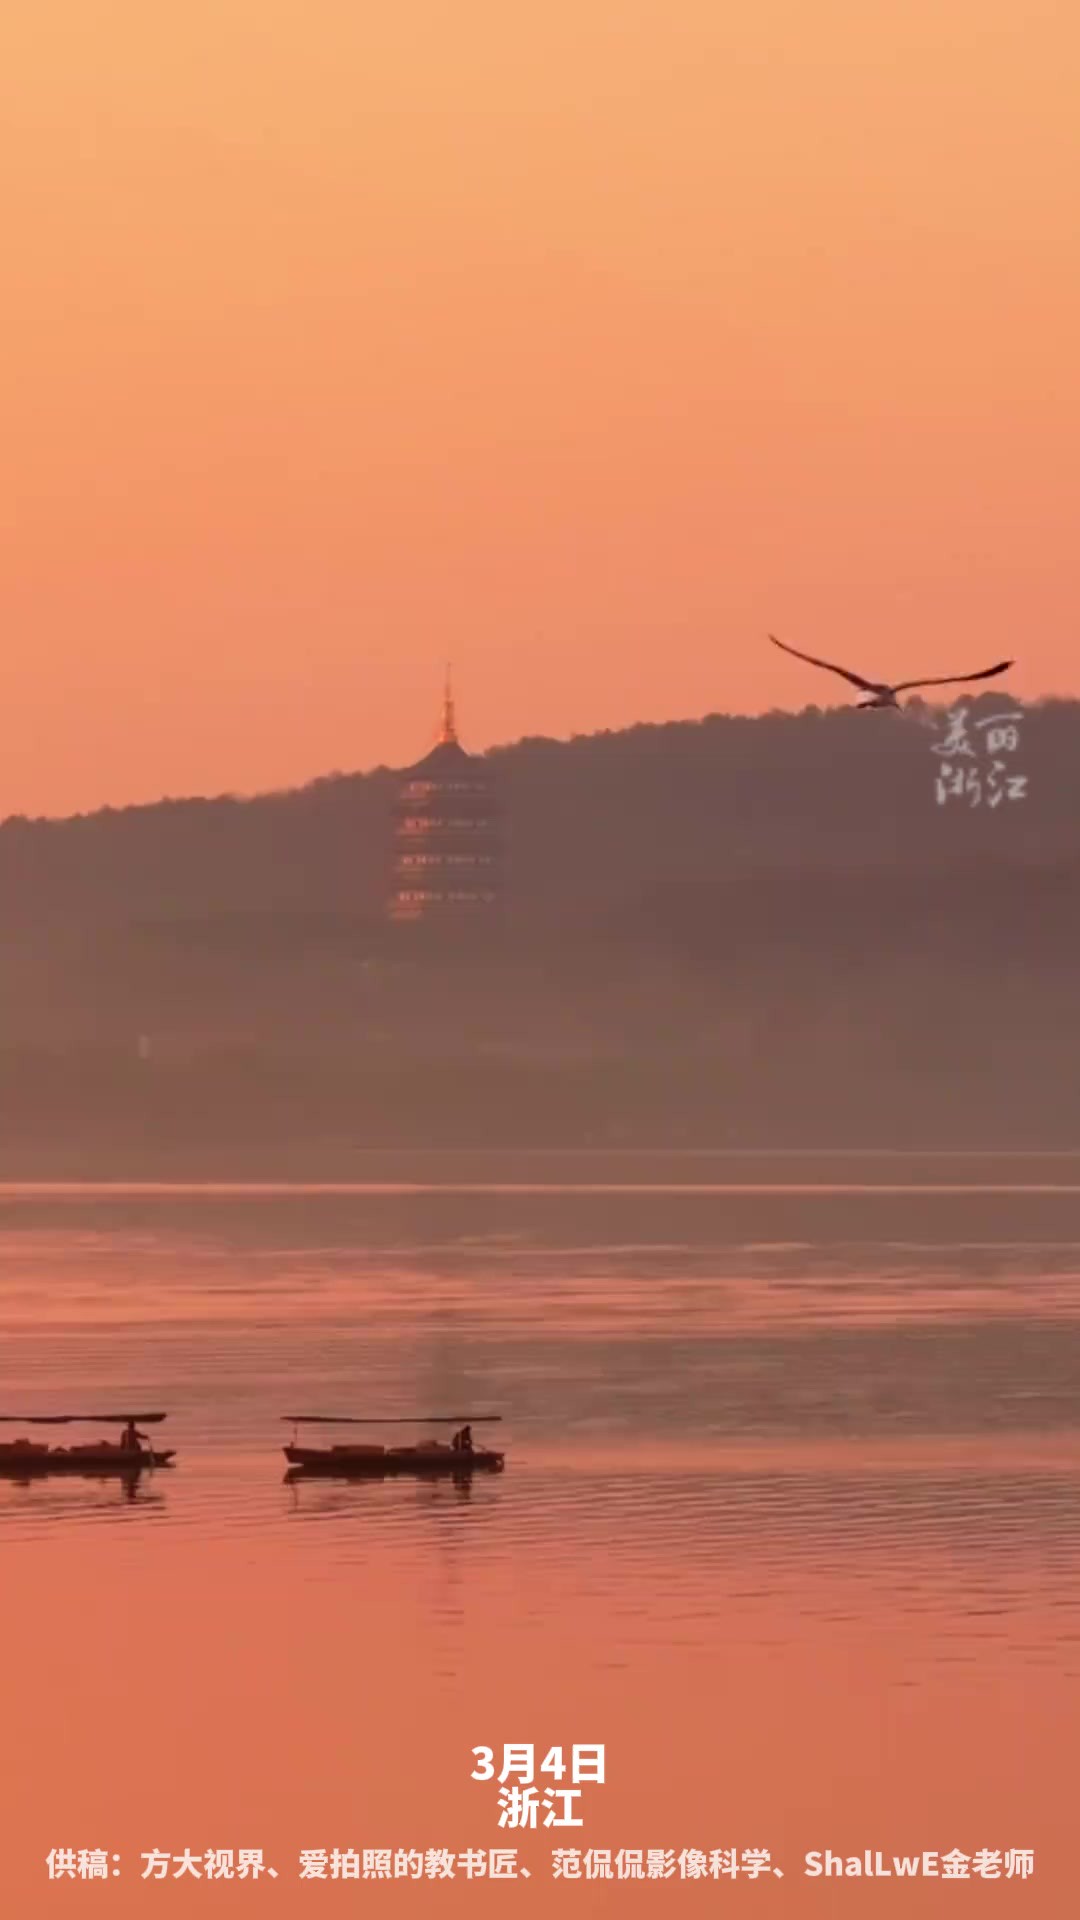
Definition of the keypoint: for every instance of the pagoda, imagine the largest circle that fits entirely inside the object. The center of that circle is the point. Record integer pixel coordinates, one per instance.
(448, 857)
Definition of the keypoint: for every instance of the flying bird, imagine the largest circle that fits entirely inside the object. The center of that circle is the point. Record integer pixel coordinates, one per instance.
(884, 695)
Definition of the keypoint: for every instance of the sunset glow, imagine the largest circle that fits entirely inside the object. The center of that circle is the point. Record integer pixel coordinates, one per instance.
(583, 344)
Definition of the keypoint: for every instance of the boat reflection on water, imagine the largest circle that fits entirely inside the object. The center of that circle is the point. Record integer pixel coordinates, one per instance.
(72, 1496)
(326, 1494)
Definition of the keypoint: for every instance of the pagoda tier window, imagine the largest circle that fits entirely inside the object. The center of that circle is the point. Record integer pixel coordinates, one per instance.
(423, 789)
(445, 860)
(429, 893)
(428, 823)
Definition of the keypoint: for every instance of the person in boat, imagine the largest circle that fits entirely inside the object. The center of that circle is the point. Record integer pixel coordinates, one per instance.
(462, 1440)
(131, 1439)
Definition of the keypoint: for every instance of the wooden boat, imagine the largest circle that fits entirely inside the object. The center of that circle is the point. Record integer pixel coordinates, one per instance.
(427, 1457)
(22, 1458)
(373, 1461)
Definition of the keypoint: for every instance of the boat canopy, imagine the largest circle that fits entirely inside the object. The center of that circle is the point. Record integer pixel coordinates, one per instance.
(69, 1419)
(389, 1419)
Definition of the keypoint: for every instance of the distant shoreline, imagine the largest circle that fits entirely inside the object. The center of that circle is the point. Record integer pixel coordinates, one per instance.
(590, 1167)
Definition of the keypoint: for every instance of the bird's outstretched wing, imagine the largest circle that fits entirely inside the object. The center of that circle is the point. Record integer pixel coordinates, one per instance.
(868, 686)
(955, 679)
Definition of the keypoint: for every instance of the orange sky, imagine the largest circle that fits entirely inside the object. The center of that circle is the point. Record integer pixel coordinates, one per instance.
(580, 342)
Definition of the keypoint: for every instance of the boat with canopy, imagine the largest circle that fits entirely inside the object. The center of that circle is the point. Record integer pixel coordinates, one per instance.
(23, 1456)
(371, 1461)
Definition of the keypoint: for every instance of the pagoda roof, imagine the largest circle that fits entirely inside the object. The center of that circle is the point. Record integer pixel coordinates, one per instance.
(446, 757)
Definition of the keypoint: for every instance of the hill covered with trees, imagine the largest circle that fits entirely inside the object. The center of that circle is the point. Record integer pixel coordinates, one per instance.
(593, 820)
(728, 930)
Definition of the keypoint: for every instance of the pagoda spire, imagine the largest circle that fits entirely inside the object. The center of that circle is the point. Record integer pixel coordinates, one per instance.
(448, 730)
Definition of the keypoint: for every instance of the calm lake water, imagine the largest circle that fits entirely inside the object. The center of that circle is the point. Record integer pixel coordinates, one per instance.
(790, 1524)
